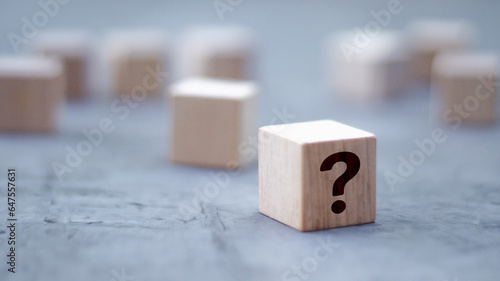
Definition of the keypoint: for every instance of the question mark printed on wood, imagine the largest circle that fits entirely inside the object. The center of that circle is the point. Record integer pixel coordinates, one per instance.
(353, 164)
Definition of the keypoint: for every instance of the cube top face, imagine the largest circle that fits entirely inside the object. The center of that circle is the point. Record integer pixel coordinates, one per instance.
(219, 40)
(316, 131)
(435, 35)
(137, 43)
(387, 46)
(466, 64)
(213, 89)
(29, 67)
(301, 183)
(63, 43)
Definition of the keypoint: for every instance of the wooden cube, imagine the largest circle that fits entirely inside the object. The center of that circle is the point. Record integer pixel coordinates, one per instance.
(368, 68)
(464, 88)
(31, 92)
(300, 184)
(427, 38)
(211, 118)
(224, 53)
(73, 49)
(134, 56)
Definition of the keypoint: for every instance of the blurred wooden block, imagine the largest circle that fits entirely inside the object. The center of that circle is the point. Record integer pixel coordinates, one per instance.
(134, 58)
(31, 91)
(297, 173)
(464, 87)
(73, 49)
(368, 68)
(427, 38)
(211, 118)
(225, 53)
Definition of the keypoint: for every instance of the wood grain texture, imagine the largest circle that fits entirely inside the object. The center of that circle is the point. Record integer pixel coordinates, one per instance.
(30, 101)
(207, 128)
(464, 87)
(377, 69)
(294, 191)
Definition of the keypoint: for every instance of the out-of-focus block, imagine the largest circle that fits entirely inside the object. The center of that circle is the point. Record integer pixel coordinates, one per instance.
(224, 53)
(31, 91)
(368, 68)
(464, 87)
(73, 49)
(427, 38)
(300, 183)
(136, 59)
(211, 118)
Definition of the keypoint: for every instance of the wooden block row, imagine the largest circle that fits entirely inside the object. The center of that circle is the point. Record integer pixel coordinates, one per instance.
(31, 92)
(218, 52)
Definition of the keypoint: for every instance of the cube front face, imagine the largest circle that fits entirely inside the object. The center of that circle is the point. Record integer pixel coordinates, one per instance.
(226, 66)
(477, 97)
(206, 131)
(132, 72)
(30, 104)
(324, 163)
(296, 181)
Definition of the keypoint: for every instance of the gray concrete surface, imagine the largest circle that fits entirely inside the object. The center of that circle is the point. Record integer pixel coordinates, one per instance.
(121, 214)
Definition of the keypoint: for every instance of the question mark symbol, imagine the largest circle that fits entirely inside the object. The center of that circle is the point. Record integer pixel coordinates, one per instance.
(353, 163)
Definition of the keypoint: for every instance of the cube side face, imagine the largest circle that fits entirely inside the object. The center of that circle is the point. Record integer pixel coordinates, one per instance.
(226, 66)
(247, 126)
(76, 77)
(206, 131)
(280, 179)
(475, 95)
(359, 192)
(75, 72)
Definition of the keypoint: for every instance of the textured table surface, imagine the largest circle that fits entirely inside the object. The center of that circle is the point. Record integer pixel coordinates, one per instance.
(127, 213)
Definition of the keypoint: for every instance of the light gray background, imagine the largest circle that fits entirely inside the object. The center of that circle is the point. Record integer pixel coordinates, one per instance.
(118, 212)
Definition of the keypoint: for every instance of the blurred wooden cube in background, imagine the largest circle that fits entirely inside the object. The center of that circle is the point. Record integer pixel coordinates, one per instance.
(218, 52)
(210, 119)
(134, 57)
(427, 38)
(363, 67)
(73, 48)
(31, 93)
(464, 87)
